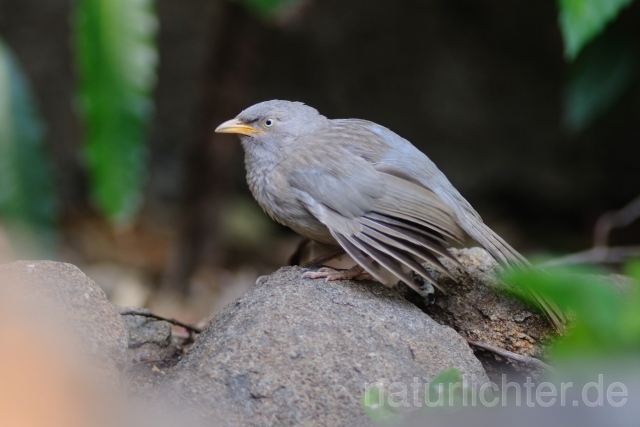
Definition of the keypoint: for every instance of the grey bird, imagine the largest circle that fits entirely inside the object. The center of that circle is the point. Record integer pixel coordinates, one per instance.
(358, 185)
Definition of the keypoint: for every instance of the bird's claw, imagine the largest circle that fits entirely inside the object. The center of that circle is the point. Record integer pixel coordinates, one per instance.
(323, 273)
(331, 274)
(427, 291)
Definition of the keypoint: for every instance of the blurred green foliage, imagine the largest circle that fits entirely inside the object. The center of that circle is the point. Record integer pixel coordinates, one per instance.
(602, 65)
(447, 389)
(605, 314)
(598, 79)
(117, 58)
(582, 20)
(379, 409)
(28, 202)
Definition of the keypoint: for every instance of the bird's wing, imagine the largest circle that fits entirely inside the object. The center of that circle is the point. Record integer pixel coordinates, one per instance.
(375, 215)
(397, 156)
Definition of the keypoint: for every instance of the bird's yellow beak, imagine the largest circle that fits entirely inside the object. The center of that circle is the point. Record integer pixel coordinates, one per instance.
(236, 126)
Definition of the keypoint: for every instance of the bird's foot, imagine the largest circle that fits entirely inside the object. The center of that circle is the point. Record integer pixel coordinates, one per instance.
(427, 291)
(329, 274)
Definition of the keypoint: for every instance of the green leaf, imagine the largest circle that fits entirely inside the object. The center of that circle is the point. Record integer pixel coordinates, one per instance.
(28, 203)
(379, 409)
(598, 79)
(582, 20)
(117, 58)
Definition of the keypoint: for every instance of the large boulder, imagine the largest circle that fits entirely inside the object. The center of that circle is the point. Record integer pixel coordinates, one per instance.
(296, 351)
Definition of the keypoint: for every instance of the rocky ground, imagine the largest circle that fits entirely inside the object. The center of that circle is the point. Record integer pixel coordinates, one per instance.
(291, 351)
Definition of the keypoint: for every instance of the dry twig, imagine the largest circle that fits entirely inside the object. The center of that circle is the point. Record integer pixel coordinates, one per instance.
(614, 255)
(510, 355)
(616, 219)
(601, 252)
(134, 311)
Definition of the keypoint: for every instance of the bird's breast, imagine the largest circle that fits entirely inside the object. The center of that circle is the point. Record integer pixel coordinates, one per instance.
(275, 195)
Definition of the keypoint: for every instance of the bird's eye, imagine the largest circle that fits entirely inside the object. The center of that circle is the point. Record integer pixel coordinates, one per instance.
(269, 122)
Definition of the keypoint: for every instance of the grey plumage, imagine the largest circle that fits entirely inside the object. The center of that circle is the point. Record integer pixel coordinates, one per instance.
(359, 185)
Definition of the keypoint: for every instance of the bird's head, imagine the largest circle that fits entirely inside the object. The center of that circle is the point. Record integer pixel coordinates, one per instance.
(273, 124)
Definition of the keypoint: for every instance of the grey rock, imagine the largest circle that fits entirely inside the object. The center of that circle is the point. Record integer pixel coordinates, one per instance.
(149, 339)
(296, 351)
(65, 301)
(153, 349)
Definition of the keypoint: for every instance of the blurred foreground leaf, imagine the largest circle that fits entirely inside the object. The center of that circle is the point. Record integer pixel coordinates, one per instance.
(379, 408)
(598, 79)
(117, 59)
(447, 389)
(582, 20)
(605, 315)
(27, 199)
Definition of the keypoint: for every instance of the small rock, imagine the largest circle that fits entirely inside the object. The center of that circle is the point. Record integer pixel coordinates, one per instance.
(149, 339)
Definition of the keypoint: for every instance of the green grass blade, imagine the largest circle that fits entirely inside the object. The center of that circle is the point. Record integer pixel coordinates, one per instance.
(28, 203)
(117, 59)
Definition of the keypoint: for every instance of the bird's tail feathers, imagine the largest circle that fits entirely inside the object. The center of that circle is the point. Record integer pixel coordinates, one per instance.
(497, 246)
